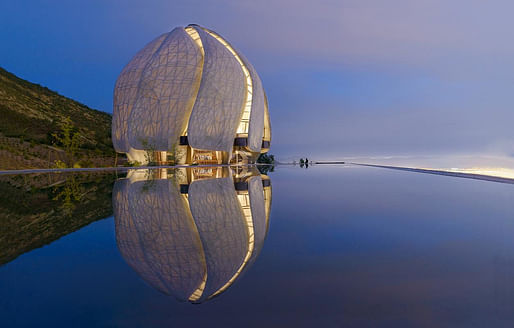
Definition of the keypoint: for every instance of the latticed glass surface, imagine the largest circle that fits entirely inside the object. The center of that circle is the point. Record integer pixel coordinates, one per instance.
(218, 107)
(126, 93)
(188, 82)
(167, 88)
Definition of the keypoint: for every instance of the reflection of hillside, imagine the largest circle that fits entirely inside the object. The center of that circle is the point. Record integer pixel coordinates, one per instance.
(191, 232)
(38, 209)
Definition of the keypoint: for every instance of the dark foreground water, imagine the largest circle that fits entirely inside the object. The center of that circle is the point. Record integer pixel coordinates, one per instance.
(341, 246)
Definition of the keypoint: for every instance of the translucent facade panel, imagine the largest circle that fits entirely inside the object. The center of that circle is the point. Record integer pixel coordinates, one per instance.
(167, 91)
(218, 107)
(125, 93)
(156, 235)
(256, 124)
(222, 228)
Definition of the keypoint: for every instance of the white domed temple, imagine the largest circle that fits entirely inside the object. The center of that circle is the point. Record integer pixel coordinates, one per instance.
(190, 97)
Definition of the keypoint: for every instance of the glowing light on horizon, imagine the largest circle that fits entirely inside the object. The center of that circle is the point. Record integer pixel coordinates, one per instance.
(498, 172)
(489, 171)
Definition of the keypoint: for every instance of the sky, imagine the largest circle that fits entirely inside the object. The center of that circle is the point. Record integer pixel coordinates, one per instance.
(344, 78)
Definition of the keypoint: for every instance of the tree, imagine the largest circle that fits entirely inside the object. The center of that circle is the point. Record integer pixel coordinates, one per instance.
(173, 155)
(68, 138)
(149, 149)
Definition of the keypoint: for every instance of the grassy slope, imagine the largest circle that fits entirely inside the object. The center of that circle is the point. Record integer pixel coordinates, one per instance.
(30, 113)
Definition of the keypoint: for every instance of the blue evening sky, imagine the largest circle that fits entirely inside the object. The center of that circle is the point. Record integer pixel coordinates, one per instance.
(343, 77)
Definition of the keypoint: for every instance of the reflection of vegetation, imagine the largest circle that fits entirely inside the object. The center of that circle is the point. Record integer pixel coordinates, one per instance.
(179, 175)
(264, 169)
(70, 195)
(149, 181)
(266, 159)
(132, 164)
(38, 209)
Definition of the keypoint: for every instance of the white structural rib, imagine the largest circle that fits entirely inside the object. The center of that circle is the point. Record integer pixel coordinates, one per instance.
(125, 93)
(217, 110)
(167, 90)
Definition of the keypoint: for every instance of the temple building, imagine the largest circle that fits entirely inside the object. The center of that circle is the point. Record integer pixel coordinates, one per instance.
(189, 97)
(191, 232)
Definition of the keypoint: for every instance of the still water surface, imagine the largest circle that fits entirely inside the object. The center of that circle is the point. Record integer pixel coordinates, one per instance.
(327, 246)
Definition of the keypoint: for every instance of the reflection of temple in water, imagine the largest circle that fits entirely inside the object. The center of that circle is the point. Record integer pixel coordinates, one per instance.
(191, 232)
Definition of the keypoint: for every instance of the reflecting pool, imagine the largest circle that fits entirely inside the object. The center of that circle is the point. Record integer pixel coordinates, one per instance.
(327, 246)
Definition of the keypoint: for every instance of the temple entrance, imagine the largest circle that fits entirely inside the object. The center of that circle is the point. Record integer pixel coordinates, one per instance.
(206, 157)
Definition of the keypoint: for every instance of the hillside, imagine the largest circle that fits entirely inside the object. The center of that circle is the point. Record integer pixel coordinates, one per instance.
(30, 117)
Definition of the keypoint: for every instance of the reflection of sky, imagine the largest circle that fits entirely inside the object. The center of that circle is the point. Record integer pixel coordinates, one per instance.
(347, 246)
(346, 77)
